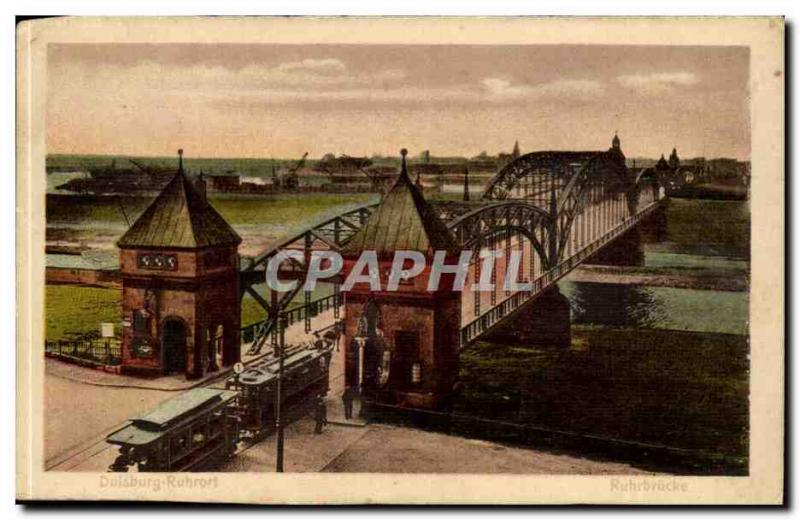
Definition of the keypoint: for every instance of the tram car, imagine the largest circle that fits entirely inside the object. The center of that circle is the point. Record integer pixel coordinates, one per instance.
(202, 427)
(305, 376)
(190, 432)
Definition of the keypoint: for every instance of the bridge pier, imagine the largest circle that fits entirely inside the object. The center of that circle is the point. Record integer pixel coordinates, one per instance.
(543, 322)
(625, 250)
(654, 227)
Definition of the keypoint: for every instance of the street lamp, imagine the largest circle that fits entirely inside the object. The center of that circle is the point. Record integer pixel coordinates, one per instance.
(279, 393)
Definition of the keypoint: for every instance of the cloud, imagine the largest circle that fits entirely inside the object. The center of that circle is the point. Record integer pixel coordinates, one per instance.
(499, 89)
(326, 81)
(323, 66)
(657, 82)
(495, 91)
(306, 75)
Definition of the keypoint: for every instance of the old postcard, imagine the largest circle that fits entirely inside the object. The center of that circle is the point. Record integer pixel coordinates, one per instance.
(401, 260)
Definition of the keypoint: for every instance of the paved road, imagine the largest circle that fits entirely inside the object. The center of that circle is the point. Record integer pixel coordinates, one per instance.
(77, 412)
(402, 450)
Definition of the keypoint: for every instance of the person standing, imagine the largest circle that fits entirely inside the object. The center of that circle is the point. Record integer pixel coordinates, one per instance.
(347, 399)
(320, 414)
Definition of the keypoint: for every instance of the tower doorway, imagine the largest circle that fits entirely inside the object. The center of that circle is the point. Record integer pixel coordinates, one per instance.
(173, 342)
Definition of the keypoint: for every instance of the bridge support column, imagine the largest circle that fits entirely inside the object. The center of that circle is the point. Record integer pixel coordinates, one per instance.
(654, 227)
(544, 322)
(625, 250)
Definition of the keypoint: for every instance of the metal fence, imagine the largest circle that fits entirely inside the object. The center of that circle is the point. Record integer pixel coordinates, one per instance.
(91, 352)
(297, 314)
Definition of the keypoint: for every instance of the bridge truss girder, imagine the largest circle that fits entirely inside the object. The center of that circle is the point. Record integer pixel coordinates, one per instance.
(329, 235)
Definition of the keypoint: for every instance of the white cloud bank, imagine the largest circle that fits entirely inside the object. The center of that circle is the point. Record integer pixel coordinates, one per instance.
(659, 82)
(322, 66)
(502, 89)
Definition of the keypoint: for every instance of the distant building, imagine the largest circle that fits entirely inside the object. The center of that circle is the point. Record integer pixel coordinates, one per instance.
(428, 169)
(224, 182)
(674, 162)
(482, 164)
(505, 158)
(97, 267)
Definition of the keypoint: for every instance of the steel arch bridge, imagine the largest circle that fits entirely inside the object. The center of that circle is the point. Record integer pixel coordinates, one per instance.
(557, 208)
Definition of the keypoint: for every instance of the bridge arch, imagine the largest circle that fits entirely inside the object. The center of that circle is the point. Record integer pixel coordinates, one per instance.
(563, 184)
(472, 230)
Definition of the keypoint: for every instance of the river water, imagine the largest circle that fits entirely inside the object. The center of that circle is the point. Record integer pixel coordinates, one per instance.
(641, 306)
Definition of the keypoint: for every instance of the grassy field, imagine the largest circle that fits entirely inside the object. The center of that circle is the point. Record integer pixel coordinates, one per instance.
(678, 389)
(709, 223)
(72, 310)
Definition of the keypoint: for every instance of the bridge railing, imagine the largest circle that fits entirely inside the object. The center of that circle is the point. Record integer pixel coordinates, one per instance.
(304, 312)
(498, 312)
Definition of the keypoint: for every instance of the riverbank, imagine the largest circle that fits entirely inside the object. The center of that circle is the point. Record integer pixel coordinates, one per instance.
(677, 389)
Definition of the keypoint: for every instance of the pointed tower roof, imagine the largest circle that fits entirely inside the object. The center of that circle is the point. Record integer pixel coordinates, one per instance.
(403, 221)
(179, 217)
(662, 163)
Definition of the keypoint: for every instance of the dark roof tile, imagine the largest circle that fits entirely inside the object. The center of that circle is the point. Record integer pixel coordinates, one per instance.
(179, 217)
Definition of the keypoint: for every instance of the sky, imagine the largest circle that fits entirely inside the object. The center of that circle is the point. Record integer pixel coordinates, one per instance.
(222, 100)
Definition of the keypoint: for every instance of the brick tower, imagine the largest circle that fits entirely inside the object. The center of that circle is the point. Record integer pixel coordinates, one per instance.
(180, 285)
(402, 346)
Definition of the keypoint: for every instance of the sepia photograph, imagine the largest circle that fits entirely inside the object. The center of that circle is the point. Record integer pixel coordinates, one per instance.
(466, 251)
